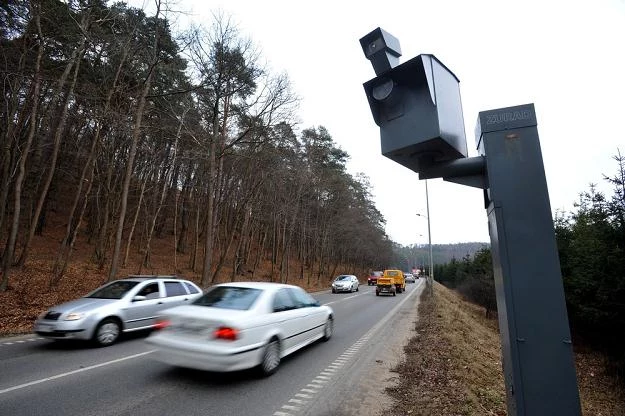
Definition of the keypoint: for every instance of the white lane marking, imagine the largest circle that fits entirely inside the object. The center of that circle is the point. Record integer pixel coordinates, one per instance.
(69, 373)
(289, 407)
(21, 341)
(348, 297)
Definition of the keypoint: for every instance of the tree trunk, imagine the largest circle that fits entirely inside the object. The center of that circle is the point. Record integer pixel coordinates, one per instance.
(134, 221)
(136, 132)
(74, 63)
(9, 252)
(166, 178)
(261, 249)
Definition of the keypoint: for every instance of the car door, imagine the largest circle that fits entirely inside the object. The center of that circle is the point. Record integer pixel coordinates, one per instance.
(142, 312)
(312, 316)
(288, 318)
(175, 294)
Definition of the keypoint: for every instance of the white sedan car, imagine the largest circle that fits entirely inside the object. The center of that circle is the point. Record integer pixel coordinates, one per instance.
(241, 325)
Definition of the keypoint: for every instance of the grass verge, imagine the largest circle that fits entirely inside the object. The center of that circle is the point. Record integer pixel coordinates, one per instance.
(452, 366)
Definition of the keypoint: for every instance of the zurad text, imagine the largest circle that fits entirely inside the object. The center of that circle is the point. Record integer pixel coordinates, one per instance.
(508, 116)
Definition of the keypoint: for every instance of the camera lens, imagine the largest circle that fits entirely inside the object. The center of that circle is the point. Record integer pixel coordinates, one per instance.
(381, 91)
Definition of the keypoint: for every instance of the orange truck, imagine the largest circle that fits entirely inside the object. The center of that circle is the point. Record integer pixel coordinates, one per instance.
(391, 282)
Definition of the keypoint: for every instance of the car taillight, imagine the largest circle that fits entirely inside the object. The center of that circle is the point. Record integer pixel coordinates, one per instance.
(226, 333)
(162, 323)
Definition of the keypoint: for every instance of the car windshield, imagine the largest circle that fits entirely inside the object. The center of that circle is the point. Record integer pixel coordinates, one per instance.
(343, 278)
(229, 297)
(114, 290)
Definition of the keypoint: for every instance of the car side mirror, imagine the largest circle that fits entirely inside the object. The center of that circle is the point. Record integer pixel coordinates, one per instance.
(139, 298)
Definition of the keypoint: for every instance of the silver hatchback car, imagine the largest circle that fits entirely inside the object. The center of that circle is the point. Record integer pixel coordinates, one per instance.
(125, 305)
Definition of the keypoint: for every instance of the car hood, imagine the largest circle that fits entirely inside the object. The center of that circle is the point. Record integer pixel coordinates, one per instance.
(82, 305)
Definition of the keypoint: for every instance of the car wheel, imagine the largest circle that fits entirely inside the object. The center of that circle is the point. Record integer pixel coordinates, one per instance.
(333, 291)
(271, 358)
(394, 293)
(106, 332)
(328, 329)
(377, 293)
(357, 287)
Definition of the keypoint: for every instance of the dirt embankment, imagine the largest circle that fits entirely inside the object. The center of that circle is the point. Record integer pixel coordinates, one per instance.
(452, 366)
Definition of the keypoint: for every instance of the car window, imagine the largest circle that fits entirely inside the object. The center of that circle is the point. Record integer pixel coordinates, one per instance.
(302, 299)
(174, 289)
(344, 277)
(282, 301)
(229, 297)
(114, 290)
(192, 289)
(150, 291)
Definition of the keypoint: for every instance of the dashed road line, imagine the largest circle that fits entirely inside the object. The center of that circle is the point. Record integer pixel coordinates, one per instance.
(21, 341)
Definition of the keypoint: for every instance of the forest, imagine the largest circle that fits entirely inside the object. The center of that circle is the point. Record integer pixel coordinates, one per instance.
(591, 246)
(132, 133)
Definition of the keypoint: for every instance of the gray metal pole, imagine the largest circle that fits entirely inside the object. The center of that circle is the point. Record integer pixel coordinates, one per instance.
(538, 362)
(427, 207)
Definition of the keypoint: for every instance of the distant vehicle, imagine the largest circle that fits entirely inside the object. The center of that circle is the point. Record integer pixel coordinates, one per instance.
(345, 283)
(409, 277)
(240, 325)
(124, 305)
(372, 280)
(391, 282)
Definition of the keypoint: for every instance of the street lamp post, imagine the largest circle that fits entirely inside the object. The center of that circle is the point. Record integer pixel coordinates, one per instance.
(427, 207)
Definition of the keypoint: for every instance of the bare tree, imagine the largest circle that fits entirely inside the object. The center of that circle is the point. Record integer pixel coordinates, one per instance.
(136, 132)
(73, 64)
(9, 251)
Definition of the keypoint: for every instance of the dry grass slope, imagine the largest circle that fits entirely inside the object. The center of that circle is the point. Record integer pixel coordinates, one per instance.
(452, 366)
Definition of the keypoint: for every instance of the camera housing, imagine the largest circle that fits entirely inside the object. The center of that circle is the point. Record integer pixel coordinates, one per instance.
(418, 108)
(382, 49)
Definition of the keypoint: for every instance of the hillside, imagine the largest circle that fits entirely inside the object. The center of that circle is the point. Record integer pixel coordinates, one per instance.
(405, 257)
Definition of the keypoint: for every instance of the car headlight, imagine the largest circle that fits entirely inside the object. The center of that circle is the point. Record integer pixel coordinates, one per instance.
(74, 316)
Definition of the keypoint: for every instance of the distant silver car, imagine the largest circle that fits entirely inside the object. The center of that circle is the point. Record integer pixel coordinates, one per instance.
(120, 306)
(345, 283)
(409, 277)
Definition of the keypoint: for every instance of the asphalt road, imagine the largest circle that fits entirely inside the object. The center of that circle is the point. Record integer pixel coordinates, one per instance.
(41, 377)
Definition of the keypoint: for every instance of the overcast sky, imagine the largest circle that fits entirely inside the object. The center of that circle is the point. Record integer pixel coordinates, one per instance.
(566, 57)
